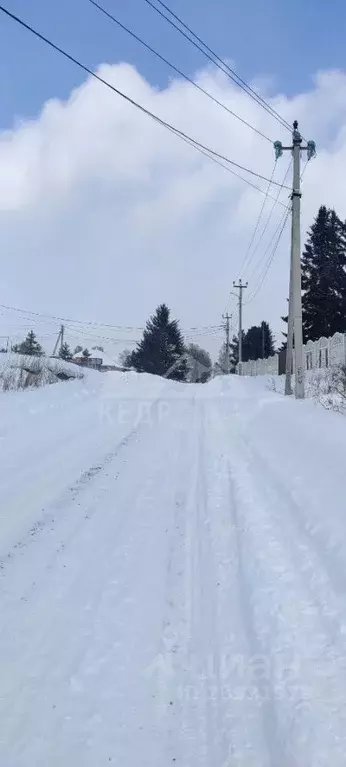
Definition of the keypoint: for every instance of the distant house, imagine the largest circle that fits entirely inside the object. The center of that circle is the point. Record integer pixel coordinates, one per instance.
(87, 362)
(104, 363)
(109, 363)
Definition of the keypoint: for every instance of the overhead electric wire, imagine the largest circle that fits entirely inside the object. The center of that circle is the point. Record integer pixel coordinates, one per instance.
(269, 245)
(91, 323)
(89, 327)
(241, 82)
(304, 169)
(252, 238)
(265, 227)
(237, 175)
(209, 333)
(176, 69)
(214, 58)
(159, 120)
(282, 225)
(204, 327)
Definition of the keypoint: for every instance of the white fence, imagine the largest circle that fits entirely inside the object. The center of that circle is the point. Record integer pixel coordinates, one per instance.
(317, 354)
(261, 367)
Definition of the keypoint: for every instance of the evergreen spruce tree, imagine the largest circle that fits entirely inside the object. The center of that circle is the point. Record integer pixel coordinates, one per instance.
(252, 345)
(234, 352)
(269, 343)
(30, 346)
(253, 342)
(161, 350)
(86, 354)
(65, 352)
(324, 277)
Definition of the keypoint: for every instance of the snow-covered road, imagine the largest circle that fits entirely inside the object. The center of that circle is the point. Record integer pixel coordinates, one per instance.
(173, 577)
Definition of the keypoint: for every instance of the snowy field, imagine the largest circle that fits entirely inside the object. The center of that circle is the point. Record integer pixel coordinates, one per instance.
(173, 576)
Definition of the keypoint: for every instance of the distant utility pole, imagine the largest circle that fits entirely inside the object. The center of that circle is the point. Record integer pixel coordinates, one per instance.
(263, 341)
(240, 287)
(59, 341)
(227, 317)
(295, 293)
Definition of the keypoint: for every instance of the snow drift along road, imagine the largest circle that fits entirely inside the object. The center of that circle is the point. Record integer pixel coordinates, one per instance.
(173, 577)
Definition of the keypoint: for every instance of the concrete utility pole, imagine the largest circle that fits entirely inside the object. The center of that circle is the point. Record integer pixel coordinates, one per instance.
(295, 299)
(240, 287)
(62, 331)
(59, 341)
(227, 317)
(289, 347)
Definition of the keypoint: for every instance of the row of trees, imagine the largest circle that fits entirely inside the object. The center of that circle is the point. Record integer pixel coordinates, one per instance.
(257, 342)
(32, 348)
(323, 265)
(162, 350)
(65, 353)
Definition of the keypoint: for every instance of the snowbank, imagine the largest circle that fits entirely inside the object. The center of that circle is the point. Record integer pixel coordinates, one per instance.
(18, 371)
(327, 386)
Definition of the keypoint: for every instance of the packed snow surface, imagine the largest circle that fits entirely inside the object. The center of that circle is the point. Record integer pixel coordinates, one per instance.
(173, 576)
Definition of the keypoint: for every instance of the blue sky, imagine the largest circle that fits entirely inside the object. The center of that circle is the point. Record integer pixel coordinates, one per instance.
(96, 191)
(287, 41)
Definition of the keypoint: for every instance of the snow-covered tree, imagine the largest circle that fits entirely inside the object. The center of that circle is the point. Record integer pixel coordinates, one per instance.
(199, 364)
(65, 352)
(29, 346)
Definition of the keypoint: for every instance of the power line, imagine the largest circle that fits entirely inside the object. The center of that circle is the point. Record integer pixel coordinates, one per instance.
(215, 59)
(176, 69)
(204, 327)
(304, 169)
(271, 258)
(276, 200)
(210, 333)
(91, 323)
(159, 120)
(88, 326)
(237, 175)
(257, 222)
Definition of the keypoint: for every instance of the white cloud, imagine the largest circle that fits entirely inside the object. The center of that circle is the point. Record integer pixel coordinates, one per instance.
(104, 214)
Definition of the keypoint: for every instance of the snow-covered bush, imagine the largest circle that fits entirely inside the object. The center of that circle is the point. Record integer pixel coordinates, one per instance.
(19, 371)
(328, 387)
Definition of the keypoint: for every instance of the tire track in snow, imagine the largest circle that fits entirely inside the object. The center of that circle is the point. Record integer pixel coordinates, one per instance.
(171, 655)
(216, 724)
(107, 602)
(266, 695)
(292, 629)
(326, 569)
(247, 722)
(47, 517)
